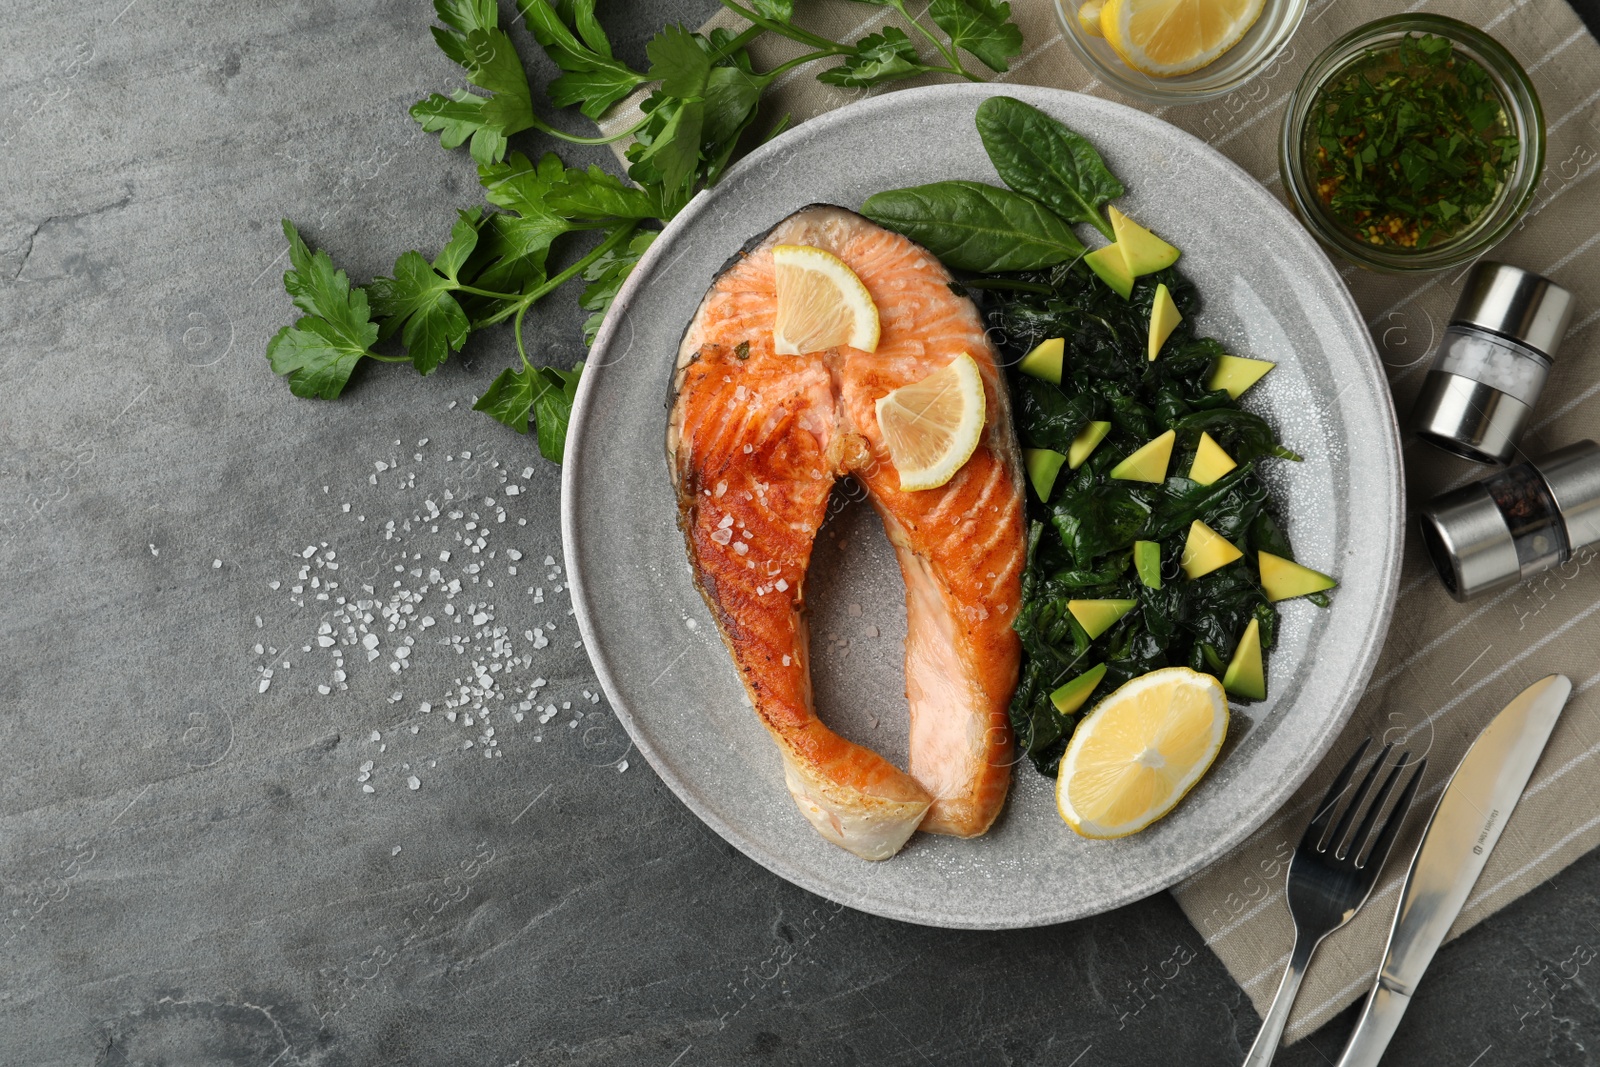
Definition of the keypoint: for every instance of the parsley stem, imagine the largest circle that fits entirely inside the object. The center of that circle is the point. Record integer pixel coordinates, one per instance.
(475, 291)
(784, 29)
(953, 61)
(750, 33)
(516, 328)
(798, 61)
(571, 138)
(617, 235)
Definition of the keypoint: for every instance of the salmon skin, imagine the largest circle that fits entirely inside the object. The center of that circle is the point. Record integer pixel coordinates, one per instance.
(755, 442)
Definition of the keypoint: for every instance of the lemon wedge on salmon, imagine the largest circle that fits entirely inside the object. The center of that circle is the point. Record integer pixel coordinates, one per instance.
(1141, 749)
(931, 427)
(821, 303)
(1164, 38)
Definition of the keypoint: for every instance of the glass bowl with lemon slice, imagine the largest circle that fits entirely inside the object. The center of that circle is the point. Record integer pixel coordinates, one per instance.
(1178, 51)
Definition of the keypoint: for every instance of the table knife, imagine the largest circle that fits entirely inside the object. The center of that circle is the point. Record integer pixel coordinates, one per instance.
(1462, 832)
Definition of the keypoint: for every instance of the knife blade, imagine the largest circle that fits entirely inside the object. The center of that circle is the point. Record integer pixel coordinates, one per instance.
(1462, 832)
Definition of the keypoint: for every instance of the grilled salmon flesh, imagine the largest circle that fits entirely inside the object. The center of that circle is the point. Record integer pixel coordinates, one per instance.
(755, 441)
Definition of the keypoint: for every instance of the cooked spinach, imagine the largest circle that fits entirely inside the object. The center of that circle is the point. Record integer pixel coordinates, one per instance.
(1080, 541)
(976, 227)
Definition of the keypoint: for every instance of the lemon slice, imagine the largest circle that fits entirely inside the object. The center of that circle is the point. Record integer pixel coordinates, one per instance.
(1168, 37)
(933, 426)
(821, 303)
(1089, 18)
(1141, 749)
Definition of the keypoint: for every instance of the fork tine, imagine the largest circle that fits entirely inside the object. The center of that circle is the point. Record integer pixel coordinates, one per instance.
(1314, 832)
(1336, 841)
(1391, 829)
(1358, 841)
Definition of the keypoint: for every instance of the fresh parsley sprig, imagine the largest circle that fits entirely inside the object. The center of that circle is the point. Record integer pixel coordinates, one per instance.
(496, 265)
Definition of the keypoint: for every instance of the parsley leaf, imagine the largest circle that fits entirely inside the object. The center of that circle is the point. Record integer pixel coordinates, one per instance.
(515, 246)
(679, 62)
(322, 348)
(776, 10)
(471, 39)
(595, 194)
(541, 395)
(419, 300)
(593, 79)
(667, 150)
(605, 277)
(880, 58)
(708, 97)
(552, 409)
(982, 27)
(732, 97)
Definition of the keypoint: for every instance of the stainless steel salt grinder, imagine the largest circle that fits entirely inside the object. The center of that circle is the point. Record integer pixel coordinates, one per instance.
(1516, 522)
(1489, 368)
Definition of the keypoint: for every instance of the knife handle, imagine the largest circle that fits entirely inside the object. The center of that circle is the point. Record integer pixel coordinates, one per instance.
(1376, 1026)
(1277, 1017)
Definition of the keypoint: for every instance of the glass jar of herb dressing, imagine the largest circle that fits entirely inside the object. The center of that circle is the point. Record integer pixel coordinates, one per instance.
(1414, 143)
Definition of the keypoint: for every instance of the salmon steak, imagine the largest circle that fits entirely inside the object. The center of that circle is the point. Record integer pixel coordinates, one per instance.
(756, 441)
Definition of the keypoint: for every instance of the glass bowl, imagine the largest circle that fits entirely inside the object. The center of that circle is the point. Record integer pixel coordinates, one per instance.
(1254, 52)
(1523, 112)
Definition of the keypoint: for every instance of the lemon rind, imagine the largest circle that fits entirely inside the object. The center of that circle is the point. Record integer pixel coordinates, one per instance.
(1112, 29)
(1090, 829)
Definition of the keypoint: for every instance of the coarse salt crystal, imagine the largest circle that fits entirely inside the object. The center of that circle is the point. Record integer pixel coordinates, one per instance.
(415, 783)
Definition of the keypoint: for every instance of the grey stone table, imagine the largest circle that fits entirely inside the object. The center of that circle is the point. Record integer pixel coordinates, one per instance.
(250, 813)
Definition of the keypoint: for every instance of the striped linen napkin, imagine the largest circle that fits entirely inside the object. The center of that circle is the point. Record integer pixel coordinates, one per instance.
(1447, 668)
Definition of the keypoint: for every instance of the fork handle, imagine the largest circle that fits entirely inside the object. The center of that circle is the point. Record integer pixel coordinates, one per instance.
(1266, 1044)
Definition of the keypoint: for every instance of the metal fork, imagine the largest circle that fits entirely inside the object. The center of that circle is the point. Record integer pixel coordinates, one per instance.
(1330, 878)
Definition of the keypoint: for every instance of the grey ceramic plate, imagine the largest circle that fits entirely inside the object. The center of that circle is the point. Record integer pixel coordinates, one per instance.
(1268, 291)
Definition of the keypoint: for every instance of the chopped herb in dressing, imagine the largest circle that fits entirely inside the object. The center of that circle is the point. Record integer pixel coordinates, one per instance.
(1409, 145)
